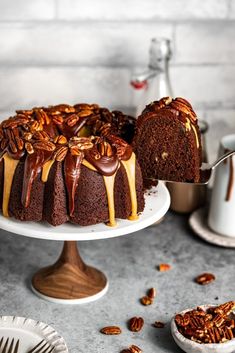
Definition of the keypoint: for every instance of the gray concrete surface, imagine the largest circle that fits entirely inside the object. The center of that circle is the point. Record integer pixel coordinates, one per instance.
(130, 263)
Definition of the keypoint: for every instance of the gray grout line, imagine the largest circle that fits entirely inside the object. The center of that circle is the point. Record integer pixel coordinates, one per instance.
(87, 21)
(39, 65)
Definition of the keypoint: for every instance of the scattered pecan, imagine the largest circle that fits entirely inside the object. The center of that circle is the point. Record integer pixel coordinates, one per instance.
(135, 349)
(126, 350)
(111, 330)
(205, 278)
(158, 324)
(136, 324)
(152, 293)
(164, 267)
(146, 300)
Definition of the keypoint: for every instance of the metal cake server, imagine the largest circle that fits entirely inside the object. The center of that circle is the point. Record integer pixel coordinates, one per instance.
(205, 171)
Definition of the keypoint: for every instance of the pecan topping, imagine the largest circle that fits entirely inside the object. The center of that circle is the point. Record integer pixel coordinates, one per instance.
(111, 330)
(44, 145)
(84, 113)
(72, 120)
(136, 324)
(126, 350)
(82, 143)
(205, 278)
(61, 140)
(146, 300)
(61, 153)
(27, 136)
(58, 120)
(164, 267)
(41, 135)
(29, 147)
(75, 151)
(135, 349)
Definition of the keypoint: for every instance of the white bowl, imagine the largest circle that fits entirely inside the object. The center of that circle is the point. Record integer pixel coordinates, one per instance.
(193, 347)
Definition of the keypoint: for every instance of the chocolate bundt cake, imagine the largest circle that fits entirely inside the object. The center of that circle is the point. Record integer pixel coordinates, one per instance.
(167, 141)
(69, 163)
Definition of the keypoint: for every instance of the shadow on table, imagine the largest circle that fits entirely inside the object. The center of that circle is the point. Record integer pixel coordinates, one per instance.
(162, 338)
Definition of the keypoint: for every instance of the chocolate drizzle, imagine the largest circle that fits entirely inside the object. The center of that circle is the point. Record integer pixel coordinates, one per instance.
(33, 166)
(104, 164)
(72, 170)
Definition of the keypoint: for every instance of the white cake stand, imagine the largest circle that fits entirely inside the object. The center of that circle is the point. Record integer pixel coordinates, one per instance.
(70, 280)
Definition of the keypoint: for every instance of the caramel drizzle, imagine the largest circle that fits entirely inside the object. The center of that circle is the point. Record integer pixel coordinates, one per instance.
(10, 165)
(109, 182)
(230, 181)
(129, 166)
(46, 170)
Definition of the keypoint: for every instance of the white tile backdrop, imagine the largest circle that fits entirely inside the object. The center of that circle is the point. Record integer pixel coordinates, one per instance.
(73, 50)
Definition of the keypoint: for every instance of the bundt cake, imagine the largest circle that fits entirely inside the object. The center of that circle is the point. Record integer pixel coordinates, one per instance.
(69, 163)
(167, 142)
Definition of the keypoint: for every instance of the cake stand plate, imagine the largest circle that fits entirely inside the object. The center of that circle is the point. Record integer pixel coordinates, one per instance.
(70, 280)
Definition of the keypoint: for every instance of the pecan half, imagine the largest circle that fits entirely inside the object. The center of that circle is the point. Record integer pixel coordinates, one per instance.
(72, 120)
(27, 136)
(111, 330)
(146, 300)
(164, 267)
(60, 139)
(75, 151)
(44, 145)
(41, 135)
(29, 147)
(84, 113)
(158, 324)
(135, 349)
(58, 120)
(61, 153)
(205, 278)
(136, 324)
(152, 293)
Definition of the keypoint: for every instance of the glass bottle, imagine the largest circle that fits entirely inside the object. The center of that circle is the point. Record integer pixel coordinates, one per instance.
(153, 83)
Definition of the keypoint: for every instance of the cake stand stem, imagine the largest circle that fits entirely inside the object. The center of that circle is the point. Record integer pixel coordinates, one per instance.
(70, 279)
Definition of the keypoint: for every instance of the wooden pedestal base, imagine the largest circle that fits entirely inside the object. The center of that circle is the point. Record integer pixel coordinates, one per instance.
(70, 279)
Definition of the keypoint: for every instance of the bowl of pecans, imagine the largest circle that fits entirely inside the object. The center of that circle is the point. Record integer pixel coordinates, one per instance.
(206, 329)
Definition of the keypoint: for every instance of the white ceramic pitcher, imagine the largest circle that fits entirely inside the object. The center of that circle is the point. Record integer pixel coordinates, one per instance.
(222, 207)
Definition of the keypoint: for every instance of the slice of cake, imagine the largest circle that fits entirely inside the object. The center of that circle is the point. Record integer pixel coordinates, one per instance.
(167, 141)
